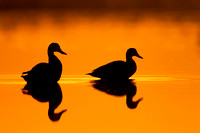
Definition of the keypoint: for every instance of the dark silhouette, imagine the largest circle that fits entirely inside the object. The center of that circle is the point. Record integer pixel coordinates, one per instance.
(46, 72)
(118, 70)
(42, 82)
(46, 93)
(120, 88)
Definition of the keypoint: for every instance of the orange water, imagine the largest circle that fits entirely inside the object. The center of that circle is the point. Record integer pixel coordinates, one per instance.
(170, 105)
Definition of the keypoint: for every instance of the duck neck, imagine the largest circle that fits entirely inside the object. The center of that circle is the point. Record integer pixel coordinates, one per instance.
(52, 57)
(50, 52)
(131, 65)
(55, 64)
(129, 58)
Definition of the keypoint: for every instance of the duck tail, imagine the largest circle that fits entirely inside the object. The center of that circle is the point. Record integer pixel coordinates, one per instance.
(25, 76)
(88, 73)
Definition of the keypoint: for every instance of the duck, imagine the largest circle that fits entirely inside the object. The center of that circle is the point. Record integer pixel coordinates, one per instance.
(46, 72)
(118, 70)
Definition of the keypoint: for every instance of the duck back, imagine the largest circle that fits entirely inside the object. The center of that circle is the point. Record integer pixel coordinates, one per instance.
(39, 73)
(113, 70)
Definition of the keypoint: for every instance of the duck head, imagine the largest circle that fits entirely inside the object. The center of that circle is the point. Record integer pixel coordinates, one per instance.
(54, 47)
(132, 52)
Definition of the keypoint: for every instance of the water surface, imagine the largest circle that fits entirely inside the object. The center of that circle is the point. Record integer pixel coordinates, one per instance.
(170, 104)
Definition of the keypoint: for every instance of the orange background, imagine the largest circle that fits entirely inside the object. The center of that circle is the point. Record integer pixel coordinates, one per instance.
(168, 47)
(168, 42)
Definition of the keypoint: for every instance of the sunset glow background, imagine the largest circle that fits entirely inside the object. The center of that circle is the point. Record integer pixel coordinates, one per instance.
(166, 34)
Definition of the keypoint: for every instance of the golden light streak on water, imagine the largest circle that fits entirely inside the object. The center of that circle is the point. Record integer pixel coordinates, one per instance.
(77, 79)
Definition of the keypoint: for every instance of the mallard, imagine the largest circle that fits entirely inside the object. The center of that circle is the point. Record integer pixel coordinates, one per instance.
(118, 69)
(46, 72)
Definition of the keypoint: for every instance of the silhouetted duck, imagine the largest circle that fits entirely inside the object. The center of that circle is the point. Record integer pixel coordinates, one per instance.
(46, 72)
(118, 69)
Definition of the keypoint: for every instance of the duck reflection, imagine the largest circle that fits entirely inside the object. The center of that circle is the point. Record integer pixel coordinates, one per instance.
(46, 93)
(119, 88)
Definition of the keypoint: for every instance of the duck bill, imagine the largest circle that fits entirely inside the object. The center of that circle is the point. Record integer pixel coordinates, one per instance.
(139, 56)
(62, 52)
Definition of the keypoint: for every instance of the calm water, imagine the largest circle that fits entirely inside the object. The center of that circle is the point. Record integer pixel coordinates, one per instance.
(167, 78)
(170, 104)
